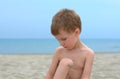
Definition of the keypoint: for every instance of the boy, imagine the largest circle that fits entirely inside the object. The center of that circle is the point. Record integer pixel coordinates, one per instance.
(73, 59)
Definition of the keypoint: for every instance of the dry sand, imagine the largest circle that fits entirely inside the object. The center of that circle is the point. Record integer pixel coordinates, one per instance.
(106, 66)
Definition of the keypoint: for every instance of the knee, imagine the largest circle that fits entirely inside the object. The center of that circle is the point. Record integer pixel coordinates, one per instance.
(66, 62)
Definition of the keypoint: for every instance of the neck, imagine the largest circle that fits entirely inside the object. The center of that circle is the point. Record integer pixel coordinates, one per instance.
(78, 44)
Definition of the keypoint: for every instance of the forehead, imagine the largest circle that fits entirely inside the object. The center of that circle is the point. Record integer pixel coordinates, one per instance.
(63, 34)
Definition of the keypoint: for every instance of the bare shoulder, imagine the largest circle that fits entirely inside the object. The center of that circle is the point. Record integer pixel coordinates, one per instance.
(89, 52)
(58, 51)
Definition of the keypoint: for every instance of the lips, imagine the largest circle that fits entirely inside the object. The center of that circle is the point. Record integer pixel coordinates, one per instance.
(65, 46)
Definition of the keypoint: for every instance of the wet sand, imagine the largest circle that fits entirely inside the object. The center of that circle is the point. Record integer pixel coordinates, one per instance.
(35, 66)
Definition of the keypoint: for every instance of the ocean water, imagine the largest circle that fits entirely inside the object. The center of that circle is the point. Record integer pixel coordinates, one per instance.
(48, 46)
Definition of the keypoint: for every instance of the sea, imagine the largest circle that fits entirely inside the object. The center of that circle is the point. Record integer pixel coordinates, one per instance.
(48, 46)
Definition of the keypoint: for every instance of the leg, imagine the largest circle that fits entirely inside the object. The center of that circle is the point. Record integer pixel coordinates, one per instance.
(63, 68)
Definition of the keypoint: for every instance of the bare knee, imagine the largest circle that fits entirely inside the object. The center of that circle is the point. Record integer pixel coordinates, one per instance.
(66, 62)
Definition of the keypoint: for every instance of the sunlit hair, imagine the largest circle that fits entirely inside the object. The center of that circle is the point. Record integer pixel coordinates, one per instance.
(66, 20)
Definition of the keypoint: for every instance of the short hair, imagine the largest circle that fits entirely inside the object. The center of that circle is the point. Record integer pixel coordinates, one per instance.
(66, 20)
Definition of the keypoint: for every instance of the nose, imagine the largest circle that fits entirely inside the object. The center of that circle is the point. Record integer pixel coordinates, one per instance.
(62, 43)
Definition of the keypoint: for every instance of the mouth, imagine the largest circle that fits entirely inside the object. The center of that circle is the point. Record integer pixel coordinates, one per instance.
(65, 47)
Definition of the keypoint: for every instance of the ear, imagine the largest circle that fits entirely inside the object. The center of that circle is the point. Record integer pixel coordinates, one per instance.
(77, 31)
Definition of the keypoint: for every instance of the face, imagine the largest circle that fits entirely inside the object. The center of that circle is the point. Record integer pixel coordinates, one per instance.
(67, 40)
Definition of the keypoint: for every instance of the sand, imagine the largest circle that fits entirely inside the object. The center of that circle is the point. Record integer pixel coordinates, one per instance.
(31, 66)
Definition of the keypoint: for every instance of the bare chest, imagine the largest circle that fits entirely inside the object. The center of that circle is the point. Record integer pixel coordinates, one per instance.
(78, 60)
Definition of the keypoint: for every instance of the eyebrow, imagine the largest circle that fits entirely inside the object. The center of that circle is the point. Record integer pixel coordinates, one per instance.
(63, 38)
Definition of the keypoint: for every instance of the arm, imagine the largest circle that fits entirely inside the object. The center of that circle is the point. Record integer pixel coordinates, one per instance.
(88, 66)
(53, 67)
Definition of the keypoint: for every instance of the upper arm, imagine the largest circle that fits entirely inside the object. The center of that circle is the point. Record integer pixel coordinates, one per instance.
(88, 65)
(53, 66)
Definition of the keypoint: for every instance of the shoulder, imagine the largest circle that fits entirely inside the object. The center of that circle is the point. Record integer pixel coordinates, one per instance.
(59, 51)
(86, 50)
(60, 48)
(89, 52)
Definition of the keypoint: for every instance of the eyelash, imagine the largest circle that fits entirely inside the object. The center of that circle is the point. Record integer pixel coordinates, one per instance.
(64, 39)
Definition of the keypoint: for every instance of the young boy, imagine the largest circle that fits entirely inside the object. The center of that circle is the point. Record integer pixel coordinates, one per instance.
(73, 59)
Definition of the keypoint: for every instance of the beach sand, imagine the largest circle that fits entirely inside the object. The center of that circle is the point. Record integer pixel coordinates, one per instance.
(35, 66)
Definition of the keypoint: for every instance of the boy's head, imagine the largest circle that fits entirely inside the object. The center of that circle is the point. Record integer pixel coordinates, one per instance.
(66, 20)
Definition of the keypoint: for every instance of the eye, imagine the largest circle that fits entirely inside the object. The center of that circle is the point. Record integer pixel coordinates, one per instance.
(64, 39)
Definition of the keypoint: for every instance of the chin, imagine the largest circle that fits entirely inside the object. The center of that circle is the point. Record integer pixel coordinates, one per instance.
(69, 48)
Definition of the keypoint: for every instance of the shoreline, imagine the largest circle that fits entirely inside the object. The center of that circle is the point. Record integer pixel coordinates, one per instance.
(52, 53)
(35, 66)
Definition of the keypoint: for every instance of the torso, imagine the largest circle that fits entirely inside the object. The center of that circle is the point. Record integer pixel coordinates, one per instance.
(78, 57)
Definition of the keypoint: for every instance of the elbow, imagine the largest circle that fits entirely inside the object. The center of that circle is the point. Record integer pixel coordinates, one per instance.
(85, 78)
(49, 76)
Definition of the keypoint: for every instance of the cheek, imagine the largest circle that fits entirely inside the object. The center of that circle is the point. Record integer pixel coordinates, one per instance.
(70, 43)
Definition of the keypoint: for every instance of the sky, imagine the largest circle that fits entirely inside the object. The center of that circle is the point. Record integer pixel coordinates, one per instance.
(32, 18)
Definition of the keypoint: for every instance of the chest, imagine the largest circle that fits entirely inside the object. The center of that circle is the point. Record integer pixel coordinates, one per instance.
(77, 58)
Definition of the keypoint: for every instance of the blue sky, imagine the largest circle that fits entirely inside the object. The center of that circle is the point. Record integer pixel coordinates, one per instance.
(32, 18)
